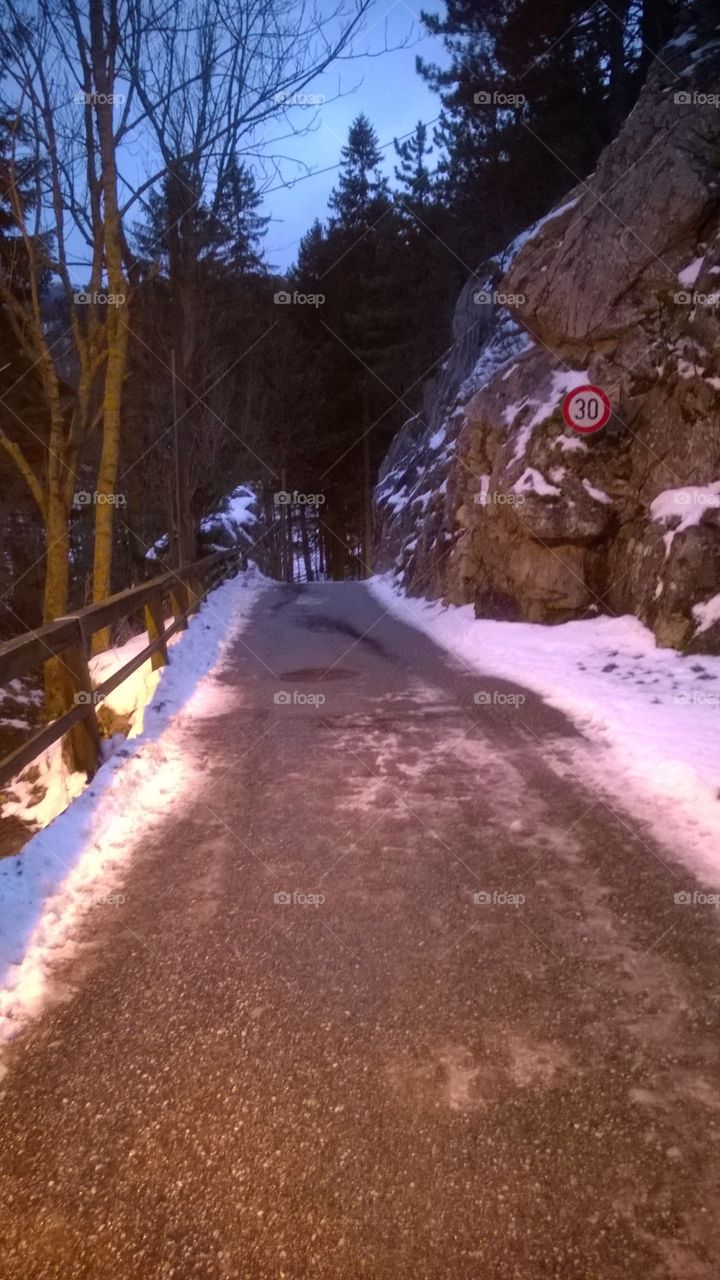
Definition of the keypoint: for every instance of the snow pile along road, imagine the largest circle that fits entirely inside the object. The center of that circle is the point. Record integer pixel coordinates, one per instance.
(76, 862)
(650, 717)
(46, 788)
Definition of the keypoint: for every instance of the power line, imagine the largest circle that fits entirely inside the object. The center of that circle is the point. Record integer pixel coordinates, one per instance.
(285, 186)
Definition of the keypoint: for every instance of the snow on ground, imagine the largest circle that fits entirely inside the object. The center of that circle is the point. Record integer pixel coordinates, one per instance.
(76, 864)
(650, 717)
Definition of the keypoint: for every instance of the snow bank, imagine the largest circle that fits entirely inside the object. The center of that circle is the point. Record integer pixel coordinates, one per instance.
(41, 800)
(650, 717)
(76, 863)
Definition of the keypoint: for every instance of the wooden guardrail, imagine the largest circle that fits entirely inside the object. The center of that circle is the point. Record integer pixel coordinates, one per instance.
(177, 594)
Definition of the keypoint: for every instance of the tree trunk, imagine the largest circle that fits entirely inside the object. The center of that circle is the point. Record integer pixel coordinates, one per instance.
(286, 532)
(184, 529)
(181, 270)
(108, 471)
(658, 19)
(305, 545)
(367, 492)
(103, 37)
(57, 576)
(271, 533)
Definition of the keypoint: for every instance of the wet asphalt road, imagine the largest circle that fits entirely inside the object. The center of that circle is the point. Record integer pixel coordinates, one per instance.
(375, 1075)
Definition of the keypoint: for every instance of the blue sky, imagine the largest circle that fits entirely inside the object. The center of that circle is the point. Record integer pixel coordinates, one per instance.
(385, 87)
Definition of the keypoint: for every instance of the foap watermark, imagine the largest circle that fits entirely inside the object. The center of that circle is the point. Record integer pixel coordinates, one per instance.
(696, 698)
(83, 298)
(495, 497)
(84, 98)
(84, 498)
(296, 899)
(495, 98)
(491, 297)
(686, 298)
(694, 497)
(285, 499)
(294, 698)
(692, 98)
(696, 898)
(108, 899)
(498, 898)
(88, 698)
(284, 298)
(299, 99)
(493, 698)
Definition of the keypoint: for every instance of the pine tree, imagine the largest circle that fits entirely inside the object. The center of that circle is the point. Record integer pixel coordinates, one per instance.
(312, 254)
(235, 216)
(362, 194)
(225, 232)
(522, 74)
(413, 173)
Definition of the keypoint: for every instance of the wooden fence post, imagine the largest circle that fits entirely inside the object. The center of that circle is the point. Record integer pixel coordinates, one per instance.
(155, 625)
(84, 740)
(179, 601)
(65, 643)
(195, 591)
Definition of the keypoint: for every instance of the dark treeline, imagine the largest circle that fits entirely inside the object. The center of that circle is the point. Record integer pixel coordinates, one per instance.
(533, 92)
(296, 384)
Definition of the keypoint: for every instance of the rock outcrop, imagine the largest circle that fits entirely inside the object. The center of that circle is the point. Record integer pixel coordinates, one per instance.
(488, 497)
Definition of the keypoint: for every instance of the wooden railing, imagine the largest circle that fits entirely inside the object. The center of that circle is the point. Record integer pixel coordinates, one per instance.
(68, 641)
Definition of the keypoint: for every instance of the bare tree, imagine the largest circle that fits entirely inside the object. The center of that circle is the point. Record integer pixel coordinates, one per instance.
(211, 76)
(59, 89)
(85, 83)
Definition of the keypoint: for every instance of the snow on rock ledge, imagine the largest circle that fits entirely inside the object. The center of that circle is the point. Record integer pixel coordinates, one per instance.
(595, 297)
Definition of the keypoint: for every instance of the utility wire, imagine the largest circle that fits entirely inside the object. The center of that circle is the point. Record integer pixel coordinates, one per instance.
(284, 186)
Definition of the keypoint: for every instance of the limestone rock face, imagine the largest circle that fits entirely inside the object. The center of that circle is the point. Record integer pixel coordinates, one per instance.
(489, 497)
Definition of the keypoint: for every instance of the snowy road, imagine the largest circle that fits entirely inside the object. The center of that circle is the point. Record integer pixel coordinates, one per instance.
(388, 996)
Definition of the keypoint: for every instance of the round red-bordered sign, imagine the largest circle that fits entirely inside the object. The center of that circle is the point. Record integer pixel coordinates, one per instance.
(586, 409)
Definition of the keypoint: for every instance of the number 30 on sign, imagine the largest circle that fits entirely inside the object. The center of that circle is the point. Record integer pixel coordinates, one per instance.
(586, 409)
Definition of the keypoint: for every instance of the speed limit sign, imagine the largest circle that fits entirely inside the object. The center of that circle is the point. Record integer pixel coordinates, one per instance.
(586, 409)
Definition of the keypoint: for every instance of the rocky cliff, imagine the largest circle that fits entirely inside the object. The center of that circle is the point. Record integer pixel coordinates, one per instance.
(488, 497)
